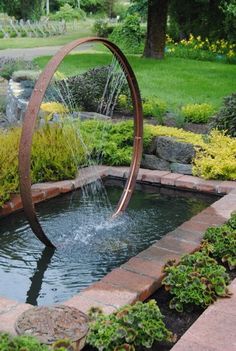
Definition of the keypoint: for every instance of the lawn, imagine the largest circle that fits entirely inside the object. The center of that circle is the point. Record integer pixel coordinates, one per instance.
(174, 80)
(81, 30)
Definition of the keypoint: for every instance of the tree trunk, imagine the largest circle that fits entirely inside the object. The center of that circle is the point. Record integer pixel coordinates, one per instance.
(156, 28)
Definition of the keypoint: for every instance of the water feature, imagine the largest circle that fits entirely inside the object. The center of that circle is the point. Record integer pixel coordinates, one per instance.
(88, 243)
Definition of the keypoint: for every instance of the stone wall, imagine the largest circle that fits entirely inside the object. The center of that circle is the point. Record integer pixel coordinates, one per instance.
(15, 107)
(167, 154)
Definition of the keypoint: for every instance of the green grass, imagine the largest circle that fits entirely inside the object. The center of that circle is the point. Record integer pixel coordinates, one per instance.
(84, 29)
(175, 80)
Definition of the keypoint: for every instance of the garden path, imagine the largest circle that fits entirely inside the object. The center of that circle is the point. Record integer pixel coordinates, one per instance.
(31, 53)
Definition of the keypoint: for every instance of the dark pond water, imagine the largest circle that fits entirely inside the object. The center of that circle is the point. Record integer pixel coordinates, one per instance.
(89, 243)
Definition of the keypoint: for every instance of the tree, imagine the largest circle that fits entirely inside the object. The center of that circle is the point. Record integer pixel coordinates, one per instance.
(156, 28)
(23, 9)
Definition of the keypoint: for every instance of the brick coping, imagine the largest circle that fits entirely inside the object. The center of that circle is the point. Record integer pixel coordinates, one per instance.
(141, 276)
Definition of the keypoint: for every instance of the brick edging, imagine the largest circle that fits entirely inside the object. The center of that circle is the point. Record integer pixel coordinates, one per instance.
(141, 276)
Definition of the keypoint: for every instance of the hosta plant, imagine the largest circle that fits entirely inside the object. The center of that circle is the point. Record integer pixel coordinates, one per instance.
(128, 328)
(197, 280)
(220, 242)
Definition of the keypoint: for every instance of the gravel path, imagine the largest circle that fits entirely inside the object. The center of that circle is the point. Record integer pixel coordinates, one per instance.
(31, 53)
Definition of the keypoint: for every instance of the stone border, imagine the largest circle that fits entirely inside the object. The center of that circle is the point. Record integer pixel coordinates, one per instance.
(141, 276)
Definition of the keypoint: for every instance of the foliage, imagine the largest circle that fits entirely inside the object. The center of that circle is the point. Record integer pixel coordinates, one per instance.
(128, 35)
(197, 280)
(217, 158)
(199, 49)
(50, 108)
(154, 107)
(191, 17)
(28, 343)
(19, 76)
(86, 90)
(10, 65)
(220, 242)
(197, 113)
(52, 158)
(23, 9)
(111, 143)
(226, 118)
(102, 28)
(68, 13)
(138, 325)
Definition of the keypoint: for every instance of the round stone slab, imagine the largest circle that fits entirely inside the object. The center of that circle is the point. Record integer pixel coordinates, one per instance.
(52, 323)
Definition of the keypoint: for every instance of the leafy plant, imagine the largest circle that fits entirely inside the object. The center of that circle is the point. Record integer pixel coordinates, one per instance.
(128, 35)
(226, 118)
(10, 65)
(86, 90)
(138, 325)
(102, 28)
(28, 343)
(220, 242)
(68, 13)
(197, 280)
(197, 113)
(154, 107)
(216, 158)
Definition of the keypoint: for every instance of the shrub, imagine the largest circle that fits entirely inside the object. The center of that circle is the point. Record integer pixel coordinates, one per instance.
(138, 325)
(154, 107)
(22, 75)
(68, 13)
(28, 343)
(220, 242)
(102, 28)
(197, 281)
(197, 113)
(216, 159)
(52, 157)
(226, 118)
(128, 35)
(86, 90)
(9, 65)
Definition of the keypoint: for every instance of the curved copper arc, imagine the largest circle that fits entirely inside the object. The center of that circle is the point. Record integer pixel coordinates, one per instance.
(30, 123)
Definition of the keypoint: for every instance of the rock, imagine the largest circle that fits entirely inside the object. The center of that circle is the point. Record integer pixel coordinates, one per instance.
(174, 151)
(153, 162)
(181, 168)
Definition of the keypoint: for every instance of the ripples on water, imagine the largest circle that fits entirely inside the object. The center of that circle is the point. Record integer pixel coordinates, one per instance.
(89, 244)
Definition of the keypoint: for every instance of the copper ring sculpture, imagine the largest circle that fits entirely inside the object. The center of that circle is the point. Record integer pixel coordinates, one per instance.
(30, 123)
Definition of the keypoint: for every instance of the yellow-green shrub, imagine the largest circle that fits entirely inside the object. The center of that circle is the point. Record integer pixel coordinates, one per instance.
(217, 160)
(197, 113)
(9, 179)
(56, 153)
(154, 107)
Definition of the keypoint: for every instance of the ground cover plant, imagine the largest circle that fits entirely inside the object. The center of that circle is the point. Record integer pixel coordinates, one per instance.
(139, 325)
(28, 343)
(220, 242)
(197, 280)
(175, 81)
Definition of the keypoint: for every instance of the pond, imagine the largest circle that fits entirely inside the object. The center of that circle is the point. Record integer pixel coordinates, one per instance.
(89, 243)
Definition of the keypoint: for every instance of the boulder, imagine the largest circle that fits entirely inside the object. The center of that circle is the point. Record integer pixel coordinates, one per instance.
(174, 151)
(181, 168)
(154, 162)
